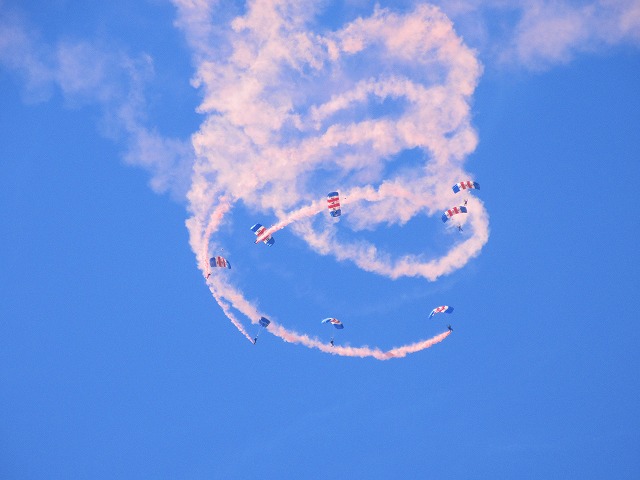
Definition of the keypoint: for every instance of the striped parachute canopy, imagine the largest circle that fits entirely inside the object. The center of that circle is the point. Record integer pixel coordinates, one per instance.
(453, 211)
(219, 262)
(465, 186)
(335, 322)
(333, 202)
(259, 230)
(442, 309)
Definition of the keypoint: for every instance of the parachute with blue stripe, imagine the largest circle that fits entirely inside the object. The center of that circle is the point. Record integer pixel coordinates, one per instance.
(441, 309)
(262, 235)
(335, 322)
(453, 211)
(465, 186)
(219, 261)
(333, 203)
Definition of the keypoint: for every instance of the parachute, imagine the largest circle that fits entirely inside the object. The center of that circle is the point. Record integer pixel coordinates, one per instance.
(465, 185)
(264, 322)
(259, 230)
(333, 202)
(453, 211)
(219, 262)
(335, 322)
(442, 309)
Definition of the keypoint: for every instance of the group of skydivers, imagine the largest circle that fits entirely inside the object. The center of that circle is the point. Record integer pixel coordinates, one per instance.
(333, 203)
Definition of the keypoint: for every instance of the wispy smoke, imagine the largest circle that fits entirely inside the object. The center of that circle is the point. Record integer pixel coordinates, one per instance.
(92, 73)
(538, 34)
(293, 109)
(289, 106)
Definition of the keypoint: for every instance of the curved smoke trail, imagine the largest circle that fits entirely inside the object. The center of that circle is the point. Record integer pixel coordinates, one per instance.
(286, 107)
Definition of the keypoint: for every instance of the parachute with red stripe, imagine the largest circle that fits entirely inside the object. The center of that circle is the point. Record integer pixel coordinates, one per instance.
(465, 186)
(333, 202)
(453, 211)
(219, 261)
(441, 309)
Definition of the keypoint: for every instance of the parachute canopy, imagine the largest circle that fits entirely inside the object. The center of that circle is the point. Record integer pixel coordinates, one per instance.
(264, 322)
(465, 185)
(442, 309)
(259, 230)
(453, 211)
(333, 201)
(335, 322)
(219, 262)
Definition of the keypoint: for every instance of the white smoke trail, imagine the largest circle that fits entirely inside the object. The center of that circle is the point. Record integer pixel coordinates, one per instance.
(291, 111)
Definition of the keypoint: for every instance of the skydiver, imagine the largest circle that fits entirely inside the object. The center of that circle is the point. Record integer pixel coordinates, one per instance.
(331, 342)
(459, 228)
(208, 275)
(255, 340)
(465, 201)
(449, 327)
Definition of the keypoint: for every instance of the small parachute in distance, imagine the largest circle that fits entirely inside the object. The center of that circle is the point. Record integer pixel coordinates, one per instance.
(335, 322)
(264, 323)
(442, 309)
(259, 230)
(453, 211)
(219, 262)
(333, 202)
(465, 185)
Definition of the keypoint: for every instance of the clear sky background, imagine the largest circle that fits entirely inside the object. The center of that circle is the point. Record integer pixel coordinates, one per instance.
(115, 360)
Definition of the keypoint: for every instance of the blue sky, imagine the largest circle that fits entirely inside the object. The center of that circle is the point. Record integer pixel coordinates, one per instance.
(123, 121)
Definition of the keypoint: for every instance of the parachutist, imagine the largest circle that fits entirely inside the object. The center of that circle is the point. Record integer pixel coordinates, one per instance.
(459, 228)
(264, 323)
(336, 323)
(449, 327)
(208, 275)
(465, 201)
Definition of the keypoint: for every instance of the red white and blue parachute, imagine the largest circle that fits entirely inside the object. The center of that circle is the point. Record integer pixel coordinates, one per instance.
(442, 309)
(453, 211)
(335, 322)
(333, 202)
(465, 185)
(259, 230)
(219, 262)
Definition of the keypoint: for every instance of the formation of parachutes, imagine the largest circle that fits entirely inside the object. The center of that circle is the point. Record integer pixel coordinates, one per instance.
(333, 204)
(450, 212)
